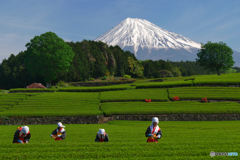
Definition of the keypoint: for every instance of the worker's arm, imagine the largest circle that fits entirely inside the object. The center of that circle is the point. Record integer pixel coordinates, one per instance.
(16, 137)
(54, 134)
(63, 135)
(27, 138)
(148, 132)
(106, 138)
(159, 134)
(97, 139)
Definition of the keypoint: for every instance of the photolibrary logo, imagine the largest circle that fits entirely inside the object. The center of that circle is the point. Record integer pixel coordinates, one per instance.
(212, 154)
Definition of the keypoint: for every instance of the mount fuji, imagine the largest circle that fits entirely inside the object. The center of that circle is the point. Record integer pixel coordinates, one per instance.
(148, 41)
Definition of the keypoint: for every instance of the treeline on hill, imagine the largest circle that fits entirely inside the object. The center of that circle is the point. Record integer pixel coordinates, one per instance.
(93, 60)
(190, 68)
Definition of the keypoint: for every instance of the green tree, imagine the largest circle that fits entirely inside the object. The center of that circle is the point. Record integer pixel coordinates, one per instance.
(135, 67)
(165, 73)
(215, 56)
(176, 72)
(48, 56)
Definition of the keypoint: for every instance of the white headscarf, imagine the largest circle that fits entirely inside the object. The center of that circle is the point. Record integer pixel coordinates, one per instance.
(59, 124)
(101, 133)
(155, 119)
(25, 129)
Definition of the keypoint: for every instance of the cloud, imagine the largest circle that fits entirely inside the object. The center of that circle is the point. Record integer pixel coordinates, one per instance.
(227, 25)
(214, 20)
(67, 40)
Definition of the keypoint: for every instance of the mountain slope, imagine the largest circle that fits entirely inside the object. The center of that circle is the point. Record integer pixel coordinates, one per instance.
(148, 41)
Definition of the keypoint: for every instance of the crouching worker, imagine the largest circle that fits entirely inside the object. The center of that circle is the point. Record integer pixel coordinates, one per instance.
(153, 132)
(59, 133)
(22, 135)
(102, 136)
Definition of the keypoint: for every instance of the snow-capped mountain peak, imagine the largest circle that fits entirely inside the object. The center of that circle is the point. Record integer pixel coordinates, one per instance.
(138, 33)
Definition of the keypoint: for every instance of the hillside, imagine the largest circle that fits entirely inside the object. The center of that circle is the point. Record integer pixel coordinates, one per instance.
(149, 41)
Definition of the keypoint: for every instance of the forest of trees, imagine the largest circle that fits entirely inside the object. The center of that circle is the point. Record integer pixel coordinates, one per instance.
(96, 59)
(92, 60)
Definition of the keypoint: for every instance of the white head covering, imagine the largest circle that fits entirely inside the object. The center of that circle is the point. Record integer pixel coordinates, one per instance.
(25, 129)
(155, 119)
(59, 124)
(101, 131)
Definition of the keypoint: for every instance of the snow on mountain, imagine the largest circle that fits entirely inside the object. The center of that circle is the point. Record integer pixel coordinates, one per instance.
(148, 41)
(140, 33)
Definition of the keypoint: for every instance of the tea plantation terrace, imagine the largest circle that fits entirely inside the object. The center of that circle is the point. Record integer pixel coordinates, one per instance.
(121, 102)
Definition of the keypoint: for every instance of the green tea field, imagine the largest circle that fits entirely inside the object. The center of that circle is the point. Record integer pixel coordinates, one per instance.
(51, 104)
(185, 107)
(185, 140)
(180, 140)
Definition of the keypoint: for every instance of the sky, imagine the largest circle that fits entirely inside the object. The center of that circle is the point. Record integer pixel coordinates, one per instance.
(76, 20)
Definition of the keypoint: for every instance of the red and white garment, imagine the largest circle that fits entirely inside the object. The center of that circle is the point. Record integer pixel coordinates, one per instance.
(101, 137)
(59, 132)
(154, 130)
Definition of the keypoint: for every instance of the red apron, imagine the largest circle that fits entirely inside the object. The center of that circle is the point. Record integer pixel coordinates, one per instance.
(59, 138)
(102, 138)
(154, 132)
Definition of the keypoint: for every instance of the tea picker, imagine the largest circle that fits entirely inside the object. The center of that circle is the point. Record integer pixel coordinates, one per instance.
(59, 133)
(101, 136)
(22, 135)
(154, 132)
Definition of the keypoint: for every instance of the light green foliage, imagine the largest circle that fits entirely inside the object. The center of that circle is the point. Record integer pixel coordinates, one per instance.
(215, 56)
(165, 73)
(135, 95)
(127, 76)
(231, 70)
(48, 56)
(176, 72)
(180, 140)
(61, 84)
(104, 78)
(135, 67)
(57, 104)
(186, 107)
(211, 93)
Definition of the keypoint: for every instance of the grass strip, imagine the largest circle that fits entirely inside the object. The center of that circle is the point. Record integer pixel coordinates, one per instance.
(223, 79)
(211, 93)
(164, 84)
(97, 89)
(135, 95)
(30, 90)
(143, 108)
